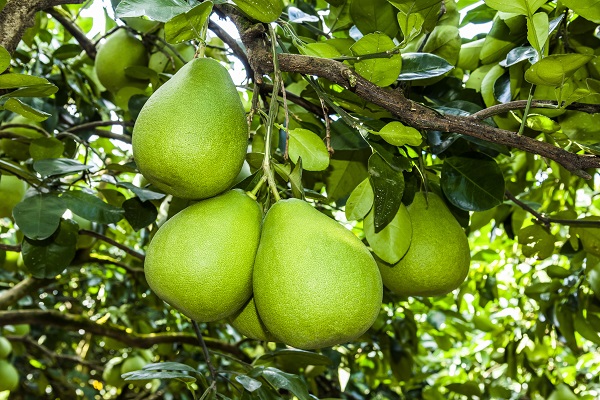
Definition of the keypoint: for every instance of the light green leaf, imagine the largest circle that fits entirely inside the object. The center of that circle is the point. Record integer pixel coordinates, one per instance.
(374, 16)
(555, 69)
(538, 30)
(523, 7)
(588, 9)
(4, 59)
(541, 123)
(47, 147)
(428, 11)
(411, 25)
(261, 10)
(309, 146)
(360, 201)
(380, 71)
(45, 90)
(535, 240)
(188, 26)
(398, 134)
(392, 242)
(319, 49)
(14, 81)
(17, 106)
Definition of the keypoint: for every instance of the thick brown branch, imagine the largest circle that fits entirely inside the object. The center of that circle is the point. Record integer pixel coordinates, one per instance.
(86, 44)
(407, 111)
(20, 290)
(521, 104)
(76, 322)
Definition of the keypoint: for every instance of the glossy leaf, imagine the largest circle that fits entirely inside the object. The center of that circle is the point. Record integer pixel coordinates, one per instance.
(17, 106)
(158, 10)
(49, 257)
(380, 71)
(39, 216)
(261, 10)
(374, 16)
(142, 193)
(143, 375)
(14, 81)
(91, 207)
(555, 69)
(523, 7)
(472, 184)
(388, 187)
(298, 16)
(282, 380)
(302, 357)
(59, 166)
(392, 242)
(398, 134)
(139, 213)
(422, 66)
(187, 26)
(588, 9)
(248, 383)
(360, 201)
(309, 146)
(519, 54)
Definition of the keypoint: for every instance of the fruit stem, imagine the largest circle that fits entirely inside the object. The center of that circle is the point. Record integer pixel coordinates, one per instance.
(211, 368)
(273, 107)
(254, 191)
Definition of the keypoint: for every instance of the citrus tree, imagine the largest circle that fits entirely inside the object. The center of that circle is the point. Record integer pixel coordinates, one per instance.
(203, 199)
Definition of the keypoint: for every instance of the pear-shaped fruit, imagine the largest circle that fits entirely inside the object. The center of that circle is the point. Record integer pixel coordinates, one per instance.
(248, 323)
(120, 51)
(200, 261)
(12, 190)
(190, 137)
(438, 258)
(9, 377)
(315, 283)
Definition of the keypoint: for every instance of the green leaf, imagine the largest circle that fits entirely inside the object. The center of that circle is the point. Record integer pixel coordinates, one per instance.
(143, 194)
(17, 106)
(563, 392)
(139, 213)
(563, 317)
(381, 71)
(428, 12)
(143, 375)
(472, 184)
(588, 9)
(158, 10)
(535, 240)
(360, 201)
(583, 327)
(59, 166)
(188, 26)
(319, 49)
(250, 384)
(302, 357)
(261, 10)
(169, 366)
(283, 380)
(67, 51)
(502, 38)
(347, 169)
(45, 90)
(374, 16)
(388, 188)
(523, 7)
(538, 30)
(309, 146)
(49, 257)
(470, 389)
(91, 207)
(14, 81)
(554, 271)
(542, 123)
(46, 147)
(4, 59)
(39, 216)
(590, 237)
(593, 278)
(398, 134)
(392, 242)
(422, 66)
(555, 69)
(542, 287)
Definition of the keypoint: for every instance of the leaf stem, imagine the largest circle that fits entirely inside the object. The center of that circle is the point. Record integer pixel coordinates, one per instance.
(211, 368)
(526, 112)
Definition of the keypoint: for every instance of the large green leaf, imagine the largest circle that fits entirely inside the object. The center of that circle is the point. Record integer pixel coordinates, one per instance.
(4, 59)
(17, 106)
(428, 12)
(158, 10)
(555, 69)
(398, 134)
(392, 242)
(143, 194)
(523, 7)
(536, 241)
(188, 25)
(388, 188)
(309, 146)
(346, 170)
(13, 81)
(261, 10)
(49, 257)
(590, 237)
(380, 71)
(472, 184)
(538, 30)
(282, 380)
(422, 66)
(139, 213)
(91, 207)
(374, 16)
(59, 166)
(360, 201)
(588, 9)
(504, 36)
(39, 216)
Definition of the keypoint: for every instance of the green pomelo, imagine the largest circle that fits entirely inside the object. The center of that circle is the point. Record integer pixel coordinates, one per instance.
(315, 283)
(166, 60)
(131, 364)
(12, 190)
(17, 330)
(200, 261)
(438, 258)
(5, 347)
(120, 51)
(9, 377)
(190, 137)
(112, 374)
(248, 323)
(18, 148)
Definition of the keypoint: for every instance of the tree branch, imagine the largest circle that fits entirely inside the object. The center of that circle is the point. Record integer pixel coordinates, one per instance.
(73, 29)
(238, 51)
(521, 104)
(54, 357)
(112, 242)
(20, 290)
(122, 334)
(407, 111)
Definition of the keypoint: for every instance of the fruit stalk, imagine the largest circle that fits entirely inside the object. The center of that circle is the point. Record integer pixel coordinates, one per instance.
(211, 368)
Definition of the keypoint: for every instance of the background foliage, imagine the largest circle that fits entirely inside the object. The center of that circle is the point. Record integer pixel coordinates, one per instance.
(525, 323)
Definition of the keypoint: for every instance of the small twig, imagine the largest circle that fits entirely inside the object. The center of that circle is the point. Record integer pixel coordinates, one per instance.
(112, 242)
(546, 221)
(302, 102)
(95, 124)
(327, 128)
(86, 44)
(286, 154)
(211, 368)
(521, 104)
(10, 247)
(55, 357)
(526, 112)
(117, 263)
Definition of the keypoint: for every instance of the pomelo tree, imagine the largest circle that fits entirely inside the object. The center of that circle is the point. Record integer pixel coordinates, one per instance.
(353, 105)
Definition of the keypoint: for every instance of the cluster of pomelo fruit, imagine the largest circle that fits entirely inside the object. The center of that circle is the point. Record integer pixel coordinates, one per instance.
(9, 376)
(293, 275)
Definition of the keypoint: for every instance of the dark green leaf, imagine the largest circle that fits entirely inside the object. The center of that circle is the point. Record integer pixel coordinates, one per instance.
(143, 194)
(519, 54)
(343, 137)
(169, 366)
(542, 287)
(67, 51)
(472, 184)
(91, 207)
(347, 169)
(299, 356)
(469, 389)
(39, 216)
(17, 106)
(139, 213)
(59, 166)
(49, 257)
(44, 90)
(388, 187)
(46, 147)
(422, 66)
(250, 384)
(283, 380)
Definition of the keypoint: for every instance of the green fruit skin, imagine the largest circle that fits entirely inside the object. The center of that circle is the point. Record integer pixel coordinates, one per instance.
(120, 51)
(190, 137)
(131, 364)
(5, 347)
(315, 283)
(12, 190)
(200, 261)
(438, 258)
(248, 323)
(9, 376)
(112, 375)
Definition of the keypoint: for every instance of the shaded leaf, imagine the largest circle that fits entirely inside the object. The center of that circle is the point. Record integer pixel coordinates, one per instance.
(59, 166)
(4, 59)
(39, 216)
(17, 106)
(139, 213)
(422, 66)
(388, 187)
(91, 207)
(299, 356)
(142, 193)
(49, 257)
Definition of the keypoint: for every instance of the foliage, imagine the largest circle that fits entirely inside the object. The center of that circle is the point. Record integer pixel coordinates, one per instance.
(524, 324)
